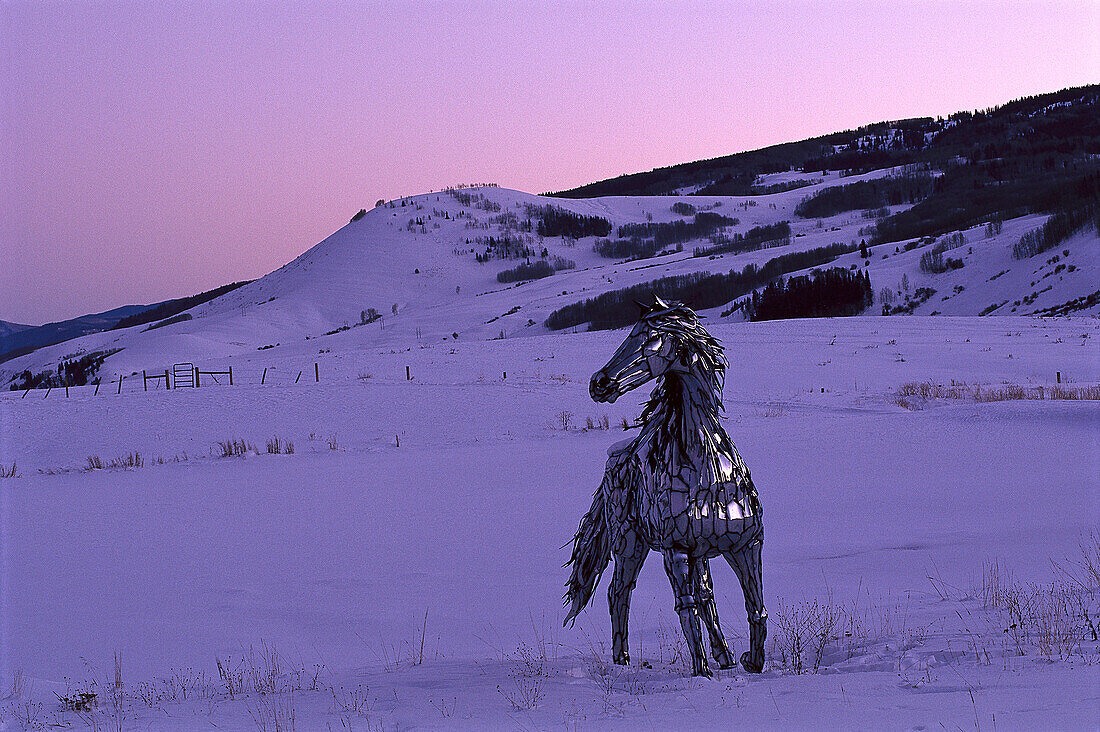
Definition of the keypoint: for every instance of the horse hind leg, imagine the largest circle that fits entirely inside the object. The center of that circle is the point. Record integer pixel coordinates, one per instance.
(708, 612)
(681, 574)
(628, 563)
(746, 564)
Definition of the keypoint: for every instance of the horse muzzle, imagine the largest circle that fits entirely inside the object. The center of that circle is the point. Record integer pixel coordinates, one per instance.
(603, 388)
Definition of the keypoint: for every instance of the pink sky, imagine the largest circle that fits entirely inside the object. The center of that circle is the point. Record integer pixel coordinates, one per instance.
(153, 150)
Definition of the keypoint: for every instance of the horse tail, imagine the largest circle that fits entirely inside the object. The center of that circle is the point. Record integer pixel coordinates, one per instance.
(591, 554)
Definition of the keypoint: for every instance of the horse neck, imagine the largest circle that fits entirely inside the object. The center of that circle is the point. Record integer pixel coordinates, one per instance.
(684, 410)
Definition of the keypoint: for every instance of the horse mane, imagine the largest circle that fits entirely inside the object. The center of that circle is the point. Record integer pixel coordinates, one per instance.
(666, 401)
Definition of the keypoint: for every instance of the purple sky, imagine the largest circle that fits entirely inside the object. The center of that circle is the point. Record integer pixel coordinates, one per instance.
(153, 150)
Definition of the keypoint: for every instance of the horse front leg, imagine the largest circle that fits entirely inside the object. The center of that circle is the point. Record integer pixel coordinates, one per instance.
(708, 612)
(746, 563)
(630, 555)
(681, 573)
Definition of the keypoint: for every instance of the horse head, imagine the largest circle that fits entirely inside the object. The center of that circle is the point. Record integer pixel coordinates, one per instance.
(660, 342)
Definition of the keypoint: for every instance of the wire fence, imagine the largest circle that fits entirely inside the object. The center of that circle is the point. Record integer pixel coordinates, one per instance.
(188, 376)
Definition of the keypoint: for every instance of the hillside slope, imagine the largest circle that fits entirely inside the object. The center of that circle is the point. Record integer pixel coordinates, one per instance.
(427, 285)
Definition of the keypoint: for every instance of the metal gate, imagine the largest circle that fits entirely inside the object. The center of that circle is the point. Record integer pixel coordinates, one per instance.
(183, 375)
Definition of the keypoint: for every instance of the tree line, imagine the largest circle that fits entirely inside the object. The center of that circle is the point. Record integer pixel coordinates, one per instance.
(750, 241)
(865, 194)
(699, 290)
(834, 292)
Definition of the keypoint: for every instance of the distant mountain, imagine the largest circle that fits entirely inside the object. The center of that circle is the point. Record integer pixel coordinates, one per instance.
(1048, 128)
(28, 338)
(6, 328)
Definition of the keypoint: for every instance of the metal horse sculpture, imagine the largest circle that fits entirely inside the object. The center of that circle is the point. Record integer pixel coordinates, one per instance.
(680, 487)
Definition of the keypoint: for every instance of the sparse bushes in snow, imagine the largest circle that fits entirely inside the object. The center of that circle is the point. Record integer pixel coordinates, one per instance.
(235, 448)
(130, 460)
(914, 394)
(802, 633)
(70, 372)
(279, 446)
(933, 260)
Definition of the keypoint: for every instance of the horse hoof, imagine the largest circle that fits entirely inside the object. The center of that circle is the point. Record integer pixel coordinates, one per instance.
(622, 659)
(723, 659)
(748, 665)
(703, 669)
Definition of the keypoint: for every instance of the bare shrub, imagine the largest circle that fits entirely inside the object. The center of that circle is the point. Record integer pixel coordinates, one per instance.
(598, 423)
(332, 443)
(1051, 619)
(232, 676)
(565, 418)
(30, 715)
(352, 701)
(526, 692)
(273, 713)
(94, 463)
(804, 631)
(7, 472)
(529, 667)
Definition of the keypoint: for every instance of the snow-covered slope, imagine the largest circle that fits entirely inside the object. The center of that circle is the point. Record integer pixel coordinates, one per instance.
(413, 262)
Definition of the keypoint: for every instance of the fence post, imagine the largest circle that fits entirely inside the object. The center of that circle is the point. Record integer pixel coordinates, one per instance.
(298, 377)
(167, 381)
(408, 377)
(264, 376)
(144, 380)
(231, 376)
(28, 391)
(48, 390)
(196, 377)
(66, 391)
(1059, 376)
(120, 378)
(316, 373)
(96, 387)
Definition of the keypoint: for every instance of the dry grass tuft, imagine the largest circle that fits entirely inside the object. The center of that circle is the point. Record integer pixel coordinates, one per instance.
(235, 448)
(279, 446)
(913, 394)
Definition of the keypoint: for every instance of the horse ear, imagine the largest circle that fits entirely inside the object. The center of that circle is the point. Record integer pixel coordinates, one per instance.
(659, 304)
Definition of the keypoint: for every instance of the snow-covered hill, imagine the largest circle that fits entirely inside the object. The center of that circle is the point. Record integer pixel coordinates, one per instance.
(413, 262)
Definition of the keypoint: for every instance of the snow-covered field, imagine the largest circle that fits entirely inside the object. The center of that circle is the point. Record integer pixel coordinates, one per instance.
(402, 568)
